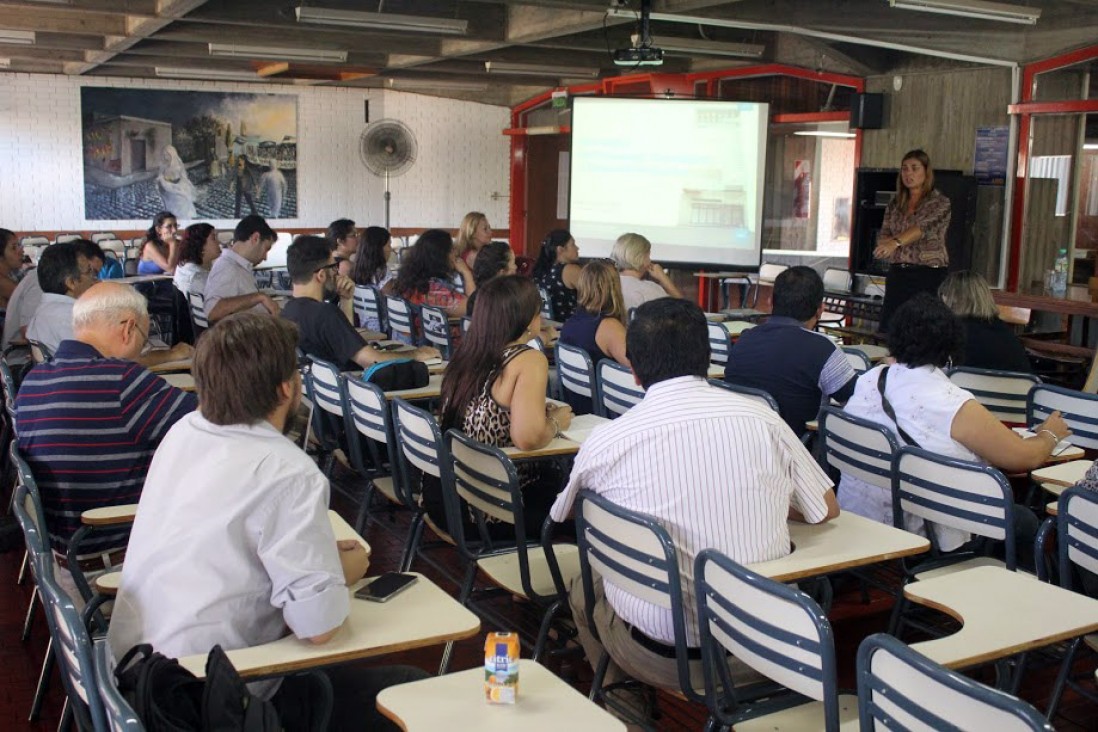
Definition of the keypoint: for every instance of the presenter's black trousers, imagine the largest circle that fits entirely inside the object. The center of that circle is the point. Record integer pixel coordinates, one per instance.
(903, 282)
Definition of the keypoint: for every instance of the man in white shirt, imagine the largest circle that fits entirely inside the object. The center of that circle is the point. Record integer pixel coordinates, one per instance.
(714, 468)
(231, 286)
(232, 542)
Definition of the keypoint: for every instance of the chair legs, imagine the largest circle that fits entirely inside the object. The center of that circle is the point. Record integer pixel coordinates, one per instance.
(411, 545)
(30, 614)
(43, 684)
(364, 509)
(1062, 679)
(22, 569)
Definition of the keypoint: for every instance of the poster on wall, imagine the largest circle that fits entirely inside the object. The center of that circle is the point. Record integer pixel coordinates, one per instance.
(200, 155)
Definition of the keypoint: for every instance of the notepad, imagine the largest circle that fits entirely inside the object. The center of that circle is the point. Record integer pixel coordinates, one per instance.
(1063, 447)
(582, 426)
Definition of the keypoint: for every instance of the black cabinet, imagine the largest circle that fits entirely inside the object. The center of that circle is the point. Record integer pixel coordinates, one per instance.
(875, 188)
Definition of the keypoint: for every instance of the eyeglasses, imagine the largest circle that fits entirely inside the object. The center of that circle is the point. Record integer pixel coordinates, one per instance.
(144, 333)
(333, 265)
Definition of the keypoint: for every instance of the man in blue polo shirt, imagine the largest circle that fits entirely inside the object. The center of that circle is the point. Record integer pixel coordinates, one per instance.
(787, 358)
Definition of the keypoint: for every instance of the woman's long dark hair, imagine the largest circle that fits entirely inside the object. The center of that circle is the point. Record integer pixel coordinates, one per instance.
(505, 306)
(152, 234)
(429, 258)
(370, 264)
(194, 241)
(547, 255)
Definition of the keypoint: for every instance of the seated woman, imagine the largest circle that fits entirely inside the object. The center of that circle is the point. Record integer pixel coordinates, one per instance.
(641, 279)
(495, 258)
(556, 272)
(160, 251)
(427, 271)
(199, 249)
(598, 325)
(474, 233)
(938, 416)
(989, 342)
(371, 266)
(494, 389)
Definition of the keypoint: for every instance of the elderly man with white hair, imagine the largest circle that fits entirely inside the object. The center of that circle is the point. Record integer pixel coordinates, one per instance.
(90, 420)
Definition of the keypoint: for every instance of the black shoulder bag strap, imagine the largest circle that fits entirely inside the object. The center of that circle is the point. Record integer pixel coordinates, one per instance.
(881, 382)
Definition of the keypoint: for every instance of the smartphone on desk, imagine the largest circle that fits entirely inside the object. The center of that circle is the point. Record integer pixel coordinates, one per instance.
(386, 586)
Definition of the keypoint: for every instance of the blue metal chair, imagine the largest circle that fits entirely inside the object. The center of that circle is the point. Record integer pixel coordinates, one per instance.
(635, 554)
(1079, 410)
(1077, 531)
(436, 329)
(370, 308)
(1003, 393)
(758, 395)
(858, 359)
(576, 374)
(900, 689)
(486, 485)
(196, 305)
(616, 389)
(779, 632)
(120, 715)
(720, 342)
(401, 318)
(328, 416)
(857, 447)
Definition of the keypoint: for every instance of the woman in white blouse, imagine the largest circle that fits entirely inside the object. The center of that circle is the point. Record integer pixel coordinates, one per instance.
(197, 252)
(939, 416)
(641, 279)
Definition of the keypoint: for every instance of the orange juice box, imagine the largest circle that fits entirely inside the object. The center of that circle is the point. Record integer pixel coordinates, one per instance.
(501, 668)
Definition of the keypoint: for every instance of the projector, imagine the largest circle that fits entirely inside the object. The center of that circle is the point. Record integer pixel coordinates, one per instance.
(638, 56)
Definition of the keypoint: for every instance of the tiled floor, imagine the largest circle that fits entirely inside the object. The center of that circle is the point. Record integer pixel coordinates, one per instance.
(852, 620)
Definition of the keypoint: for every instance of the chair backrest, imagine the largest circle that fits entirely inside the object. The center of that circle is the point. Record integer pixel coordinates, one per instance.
(546, 304)
(65, 238)
(1077, 529)
(422, 448)
(1079, 410)
(370, 425)
(196, 303)
(837, 280)
(958, 494)
(101, 236)
(120, 715)
(575, 370)
(616, 389)
(857, 447)
(857, 359)
(40, 352)
(264, 278)
(757, 395)
(401, 317)
(899, 688)
(116, 246)
(327, 394)
(720, 342)
(631, 551)
(34, 241)
(768, 271)
(369, 306)
(1003, 393)
(436, 329)
(775, 629)
(73, 650)
(7, 382)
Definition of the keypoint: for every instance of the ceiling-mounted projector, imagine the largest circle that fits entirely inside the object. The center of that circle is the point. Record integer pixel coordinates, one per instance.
(639, 56)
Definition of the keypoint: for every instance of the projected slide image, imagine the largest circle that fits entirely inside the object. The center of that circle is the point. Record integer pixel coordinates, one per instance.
(685, 174)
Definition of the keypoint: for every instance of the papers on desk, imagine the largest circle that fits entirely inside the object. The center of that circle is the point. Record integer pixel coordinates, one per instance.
(433, 361)
(737, 327)
(182, 364)
(1063, 448)
(582, 426)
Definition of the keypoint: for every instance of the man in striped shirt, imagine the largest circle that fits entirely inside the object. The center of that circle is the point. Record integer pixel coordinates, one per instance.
(89, 421)
(715, 469)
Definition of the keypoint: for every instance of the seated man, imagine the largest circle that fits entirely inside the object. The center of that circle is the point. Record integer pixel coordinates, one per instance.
(22, 304)
(93, 447)
(714, 468)
(323, 329)
(232, 542)
(231, 286)
(787, 358)
(64, 274)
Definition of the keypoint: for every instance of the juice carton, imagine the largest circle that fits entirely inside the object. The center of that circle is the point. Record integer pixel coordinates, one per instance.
(501, 659)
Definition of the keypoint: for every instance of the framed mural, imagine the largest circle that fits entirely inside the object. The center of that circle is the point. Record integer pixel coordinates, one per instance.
(200, 155)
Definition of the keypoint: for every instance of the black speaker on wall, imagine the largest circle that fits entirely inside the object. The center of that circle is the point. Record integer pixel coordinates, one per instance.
(867, 111)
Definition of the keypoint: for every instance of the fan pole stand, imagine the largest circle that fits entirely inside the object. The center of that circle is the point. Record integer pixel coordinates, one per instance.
(388, 197)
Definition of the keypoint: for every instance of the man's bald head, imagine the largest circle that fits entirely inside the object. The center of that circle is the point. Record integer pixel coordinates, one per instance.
(112, 317)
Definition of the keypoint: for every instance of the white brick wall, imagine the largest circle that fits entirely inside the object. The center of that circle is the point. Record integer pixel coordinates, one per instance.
(462, 154)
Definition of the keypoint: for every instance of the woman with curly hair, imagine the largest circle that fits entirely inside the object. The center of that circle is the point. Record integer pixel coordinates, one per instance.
(426, 275)
(198, 250)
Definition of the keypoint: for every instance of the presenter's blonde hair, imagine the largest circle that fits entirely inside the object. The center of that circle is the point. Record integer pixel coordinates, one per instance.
(629, 251)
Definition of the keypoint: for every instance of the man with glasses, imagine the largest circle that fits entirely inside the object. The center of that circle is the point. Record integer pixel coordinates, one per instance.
(64, 273)
(92, 448)
(323, 329)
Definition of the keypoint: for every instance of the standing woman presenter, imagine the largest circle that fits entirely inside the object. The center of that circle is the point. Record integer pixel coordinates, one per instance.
(913, 236)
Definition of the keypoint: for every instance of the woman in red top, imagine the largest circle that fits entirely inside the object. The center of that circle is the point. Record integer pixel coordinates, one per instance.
(913, 236)
(427, 272)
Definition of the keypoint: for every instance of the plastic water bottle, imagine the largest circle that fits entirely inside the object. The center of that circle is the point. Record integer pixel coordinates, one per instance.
(1060, 274)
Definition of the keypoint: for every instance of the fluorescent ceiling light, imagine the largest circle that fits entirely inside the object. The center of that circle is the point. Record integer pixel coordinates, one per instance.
(23, 38)
(505, 67)
(973, 9)
(709, 48)
(825, 133)
(232, 50)
(175, 72)
(380, 21)
(441, 85)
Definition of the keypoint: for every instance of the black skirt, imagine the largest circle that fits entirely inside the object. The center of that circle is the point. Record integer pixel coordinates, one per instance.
(903, 282)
